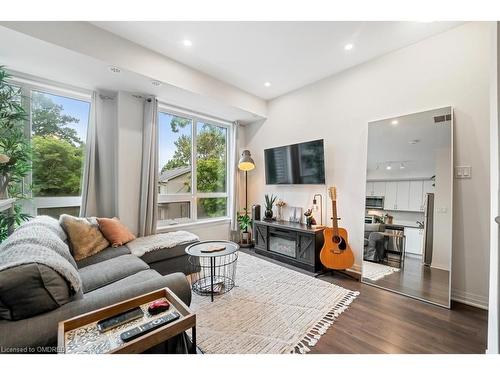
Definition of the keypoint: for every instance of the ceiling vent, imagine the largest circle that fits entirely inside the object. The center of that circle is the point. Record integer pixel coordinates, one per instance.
(442, 118)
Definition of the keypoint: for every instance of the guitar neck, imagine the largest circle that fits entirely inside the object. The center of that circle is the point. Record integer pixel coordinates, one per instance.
(335, 223)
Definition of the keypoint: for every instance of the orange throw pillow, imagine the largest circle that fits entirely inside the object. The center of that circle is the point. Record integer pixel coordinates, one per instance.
(114, 231)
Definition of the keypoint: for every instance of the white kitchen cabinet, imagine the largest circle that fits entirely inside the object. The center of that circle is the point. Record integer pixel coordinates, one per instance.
(369, 189)
(391, 193)
(414, 240)
(403, 196)
(379, 188)
(415, 196)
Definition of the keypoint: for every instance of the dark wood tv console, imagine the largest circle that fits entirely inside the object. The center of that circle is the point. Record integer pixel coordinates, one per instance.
(291, 243)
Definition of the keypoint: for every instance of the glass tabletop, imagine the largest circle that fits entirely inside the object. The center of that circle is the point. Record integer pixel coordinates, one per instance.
(202, 249)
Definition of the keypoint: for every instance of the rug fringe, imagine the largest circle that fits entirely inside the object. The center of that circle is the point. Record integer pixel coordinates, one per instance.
(312, 337)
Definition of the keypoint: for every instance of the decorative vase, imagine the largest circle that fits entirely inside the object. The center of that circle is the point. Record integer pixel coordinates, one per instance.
(268, 214)
(4, 184)
(279, 217)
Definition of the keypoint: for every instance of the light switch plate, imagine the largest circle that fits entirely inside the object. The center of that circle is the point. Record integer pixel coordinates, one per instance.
(463, 171)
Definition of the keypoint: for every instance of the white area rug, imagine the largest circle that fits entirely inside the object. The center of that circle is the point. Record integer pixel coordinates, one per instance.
(376, 271)
(271, 310)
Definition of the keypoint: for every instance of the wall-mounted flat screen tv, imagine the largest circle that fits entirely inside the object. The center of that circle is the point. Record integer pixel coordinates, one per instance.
(302, 163)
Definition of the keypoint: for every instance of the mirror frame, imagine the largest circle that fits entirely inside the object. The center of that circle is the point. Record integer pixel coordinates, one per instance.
(452, 188)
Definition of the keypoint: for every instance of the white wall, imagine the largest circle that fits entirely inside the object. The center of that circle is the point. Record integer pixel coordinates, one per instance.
(450, 69)
(493, 346)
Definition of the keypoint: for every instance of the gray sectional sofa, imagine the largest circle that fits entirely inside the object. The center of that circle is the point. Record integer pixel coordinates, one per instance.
(29, 318)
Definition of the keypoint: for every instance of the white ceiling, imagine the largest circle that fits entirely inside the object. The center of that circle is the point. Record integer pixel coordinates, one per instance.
(289, 55)
(389, 143)
(31, 56)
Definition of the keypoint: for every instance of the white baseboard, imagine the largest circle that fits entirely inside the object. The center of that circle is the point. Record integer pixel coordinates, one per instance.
(470, 299)
(356, 268)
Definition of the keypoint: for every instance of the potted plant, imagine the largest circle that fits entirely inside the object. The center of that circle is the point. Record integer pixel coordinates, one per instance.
(268, 213)
(15, 151)
(245, 222)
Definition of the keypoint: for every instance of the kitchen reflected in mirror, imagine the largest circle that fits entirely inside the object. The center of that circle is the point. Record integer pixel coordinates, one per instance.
(408, 205)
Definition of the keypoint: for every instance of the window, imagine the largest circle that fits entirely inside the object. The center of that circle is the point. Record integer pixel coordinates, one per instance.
(193, 175)
(58, 129)
(58, 135)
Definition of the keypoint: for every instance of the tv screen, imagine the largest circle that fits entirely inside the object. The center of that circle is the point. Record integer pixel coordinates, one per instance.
(302, 163)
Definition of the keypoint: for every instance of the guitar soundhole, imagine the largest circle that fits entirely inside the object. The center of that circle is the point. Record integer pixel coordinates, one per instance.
(340, 241)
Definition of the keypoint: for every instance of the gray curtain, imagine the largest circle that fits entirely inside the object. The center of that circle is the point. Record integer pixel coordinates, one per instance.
(89, 191)
(235, 176)
(148, 210)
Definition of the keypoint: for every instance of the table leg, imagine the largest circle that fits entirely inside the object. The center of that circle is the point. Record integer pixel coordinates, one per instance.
(193, 340)
(212, 270)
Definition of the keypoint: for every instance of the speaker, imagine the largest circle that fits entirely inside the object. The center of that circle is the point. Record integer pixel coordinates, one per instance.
(256, 212)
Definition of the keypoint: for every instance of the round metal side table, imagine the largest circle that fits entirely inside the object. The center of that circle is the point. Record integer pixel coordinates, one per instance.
(212, 266)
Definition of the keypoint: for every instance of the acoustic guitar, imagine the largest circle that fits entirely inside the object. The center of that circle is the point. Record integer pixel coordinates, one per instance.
(336, 253)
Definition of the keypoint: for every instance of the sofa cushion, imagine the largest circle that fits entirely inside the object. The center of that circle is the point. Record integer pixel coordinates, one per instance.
(108, 253)
(84, 236)
(109, 271)
(114, 231)
(31, 289)
(166, 253)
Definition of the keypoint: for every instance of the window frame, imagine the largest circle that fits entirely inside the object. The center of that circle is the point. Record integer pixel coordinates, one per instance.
(27, 87)
(193, 196)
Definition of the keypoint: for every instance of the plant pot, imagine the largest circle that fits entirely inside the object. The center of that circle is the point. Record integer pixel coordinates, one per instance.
(268, 214)
(4, 185)
(246, 238)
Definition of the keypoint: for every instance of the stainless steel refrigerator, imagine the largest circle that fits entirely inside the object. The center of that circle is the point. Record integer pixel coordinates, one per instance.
(428, 228)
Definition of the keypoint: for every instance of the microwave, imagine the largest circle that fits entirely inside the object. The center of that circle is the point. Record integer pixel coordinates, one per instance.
(375, 202)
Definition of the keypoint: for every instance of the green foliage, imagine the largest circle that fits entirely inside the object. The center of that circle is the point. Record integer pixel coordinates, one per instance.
(15, 145)
(57, 166)
(270, 201)
(47, 119)
(244, 221)
(179, 123)
(182, 154)
(211, 162)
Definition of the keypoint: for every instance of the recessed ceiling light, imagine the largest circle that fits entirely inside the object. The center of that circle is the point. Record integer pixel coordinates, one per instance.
(414, 141)
(349, 46)
(394, 122)
(187, 43)
(388, 167)
(114, 69)
(156, 83)
(267, 84)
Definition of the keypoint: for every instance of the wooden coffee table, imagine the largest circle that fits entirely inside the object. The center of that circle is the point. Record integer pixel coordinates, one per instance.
(80, 334)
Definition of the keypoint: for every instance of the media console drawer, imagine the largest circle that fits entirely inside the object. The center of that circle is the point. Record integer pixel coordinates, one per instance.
(290, 243)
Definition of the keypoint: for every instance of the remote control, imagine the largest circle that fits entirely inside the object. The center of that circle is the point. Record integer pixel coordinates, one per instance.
(117, 320)
(136, 332)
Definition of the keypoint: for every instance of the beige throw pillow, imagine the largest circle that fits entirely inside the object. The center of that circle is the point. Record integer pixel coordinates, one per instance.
(84, 237)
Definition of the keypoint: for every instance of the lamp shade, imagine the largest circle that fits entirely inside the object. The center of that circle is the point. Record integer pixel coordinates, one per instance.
(246, 162)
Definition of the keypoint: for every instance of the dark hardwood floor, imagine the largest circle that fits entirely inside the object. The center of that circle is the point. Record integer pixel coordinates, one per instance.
(419, 281)
(379, 321)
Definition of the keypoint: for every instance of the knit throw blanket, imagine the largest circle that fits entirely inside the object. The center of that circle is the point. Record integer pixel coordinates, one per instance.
(39, 241)
(142, 245)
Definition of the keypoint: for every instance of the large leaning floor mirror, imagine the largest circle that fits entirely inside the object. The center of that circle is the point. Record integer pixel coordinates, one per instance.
(408, 209)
